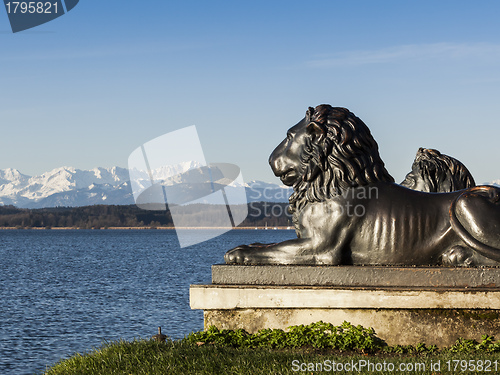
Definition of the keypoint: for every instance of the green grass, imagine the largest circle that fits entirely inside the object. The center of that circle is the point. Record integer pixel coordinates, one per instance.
(315, 347)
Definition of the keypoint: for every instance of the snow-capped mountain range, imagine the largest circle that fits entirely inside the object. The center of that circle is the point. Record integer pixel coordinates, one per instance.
(71, 187)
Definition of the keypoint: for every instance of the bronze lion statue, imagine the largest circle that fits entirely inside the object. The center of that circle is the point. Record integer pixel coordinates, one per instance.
(348, 210)
(434, 172)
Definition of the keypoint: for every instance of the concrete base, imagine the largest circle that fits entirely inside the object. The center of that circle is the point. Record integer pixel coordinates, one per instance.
(358, 276)
(441, 327)
(406, 305)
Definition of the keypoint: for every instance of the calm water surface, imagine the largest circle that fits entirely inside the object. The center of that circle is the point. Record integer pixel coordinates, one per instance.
(67, 291)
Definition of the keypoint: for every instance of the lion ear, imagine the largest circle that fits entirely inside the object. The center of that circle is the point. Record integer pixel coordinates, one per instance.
(316, 130)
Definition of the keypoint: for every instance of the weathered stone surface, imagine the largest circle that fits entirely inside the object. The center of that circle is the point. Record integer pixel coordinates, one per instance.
(357, 276)
(441, 327)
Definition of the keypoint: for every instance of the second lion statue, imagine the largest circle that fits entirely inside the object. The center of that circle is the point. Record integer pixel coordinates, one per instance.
(434, 172)
(348, 210)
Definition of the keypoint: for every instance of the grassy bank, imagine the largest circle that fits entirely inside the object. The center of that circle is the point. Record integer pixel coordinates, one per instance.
(149, 357)
(310, 349)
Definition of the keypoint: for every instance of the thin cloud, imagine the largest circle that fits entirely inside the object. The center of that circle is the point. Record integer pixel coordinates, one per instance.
(411, 52)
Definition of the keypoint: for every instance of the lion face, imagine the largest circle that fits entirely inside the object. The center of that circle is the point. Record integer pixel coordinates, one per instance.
(417, 180)
(287, 160)
(424, 172)
(328, 152)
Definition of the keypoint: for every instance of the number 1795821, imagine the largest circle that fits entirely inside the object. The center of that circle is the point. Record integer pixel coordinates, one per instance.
(31, 7)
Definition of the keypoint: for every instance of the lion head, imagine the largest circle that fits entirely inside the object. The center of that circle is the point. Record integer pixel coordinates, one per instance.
(435, 172)
(329, 151)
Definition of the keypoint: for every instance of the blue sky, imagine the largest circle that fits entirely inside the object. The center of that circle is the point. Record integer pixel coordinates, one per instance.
(88, 88)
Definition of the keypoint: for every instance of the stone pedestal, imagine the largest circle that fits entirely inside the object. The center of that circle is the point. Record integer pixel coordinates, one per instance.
(404, 305)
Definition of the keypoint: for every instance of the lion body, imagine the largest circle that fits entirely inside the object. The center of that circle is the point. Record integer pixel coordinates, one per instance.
(395, 234)
(348, 210)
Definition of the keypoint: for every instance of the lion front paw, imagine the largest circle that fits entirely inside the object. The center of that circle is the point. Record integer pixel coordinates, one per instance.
(238, 255)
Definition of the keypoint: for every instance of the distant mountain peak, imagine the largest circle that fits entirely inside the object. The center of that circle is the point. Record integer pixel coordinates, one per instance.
(11, 174)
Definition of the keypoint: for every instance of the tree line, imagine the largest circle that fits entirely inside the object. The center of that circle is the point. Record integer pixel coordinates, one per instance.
(260, 214)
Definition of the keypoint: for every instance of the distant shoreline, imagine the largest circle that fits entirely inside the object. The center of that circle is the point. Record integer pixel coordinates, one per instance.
(260, 215)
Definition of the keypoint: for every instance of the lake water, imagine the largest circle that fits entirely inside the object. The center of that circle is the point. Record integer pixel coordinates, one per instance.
(67, 291)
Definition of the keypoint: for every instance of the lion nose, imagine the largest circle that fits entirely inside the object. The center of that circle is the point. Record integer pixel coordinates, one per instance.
(275, 162)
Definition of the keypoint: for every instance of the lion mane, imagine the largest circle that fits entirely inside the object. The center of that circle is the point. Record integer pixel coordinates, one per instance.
(441, 173)
(347, 158)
